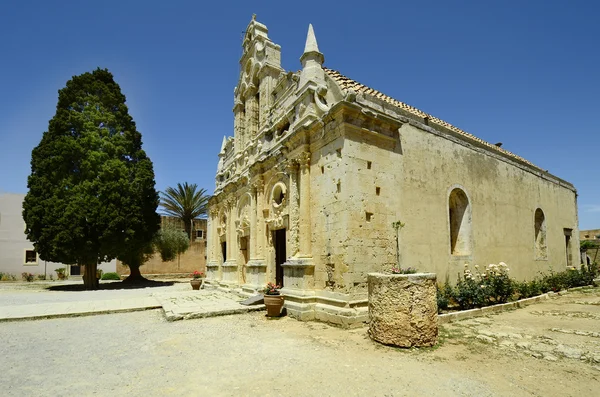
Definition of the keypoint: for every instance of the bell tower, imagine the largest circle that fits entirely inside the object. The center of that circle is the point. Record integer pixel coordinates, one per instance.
(260, 66)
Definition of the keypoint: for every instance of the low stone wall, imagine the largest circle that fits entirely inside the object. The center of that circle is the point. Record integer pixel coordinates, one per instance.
(403, 309)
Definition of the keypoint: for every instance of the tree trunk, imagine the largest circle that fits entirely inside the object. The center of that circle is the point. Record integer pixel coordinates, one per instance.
(89, 276)
(134, 275)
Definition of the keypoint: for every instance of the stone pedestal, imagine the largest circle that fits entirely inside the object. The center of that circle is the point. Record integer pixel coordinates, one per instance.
(212, 271)
(229, 274)
(298, 287)
(256, 276)
(403, 309)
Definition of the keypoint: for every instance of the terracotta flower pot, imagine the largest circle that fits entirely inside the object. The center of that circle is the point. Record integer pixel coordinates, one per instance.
(274, 303)
(196, 283)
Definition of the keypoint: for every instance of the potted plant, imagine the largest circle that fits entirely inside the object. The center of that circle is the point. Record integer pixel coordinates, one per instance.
(197, 278)
(60, 272)
(273, 300)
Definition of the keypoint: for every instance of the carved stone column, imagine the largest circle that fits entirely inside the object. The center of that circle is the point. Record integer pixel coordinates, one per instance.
(260, 230)
(256, 267)
(213, 263)
(229, 269)
(232, 241)
(252, 112)
(239, 125)
(294, 215)
(253, 225)
(305, 222)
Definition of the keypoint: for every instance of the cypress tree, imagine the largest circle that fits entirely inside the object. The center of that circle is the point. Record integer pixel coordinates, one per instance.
(91, 189)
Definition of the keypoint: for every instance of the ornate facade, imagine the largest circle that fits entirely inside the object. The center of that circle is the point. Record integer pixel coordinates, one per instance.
(319, 168)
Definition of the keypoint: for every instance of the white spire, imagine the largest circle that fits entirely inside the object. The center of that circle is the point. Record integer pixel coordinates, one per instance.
(311, 41)
(223, 144)
(311, 48)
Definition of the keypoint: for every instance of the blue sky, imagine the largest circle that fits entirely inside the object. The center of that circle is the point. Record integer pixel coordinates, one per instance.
(524, 73)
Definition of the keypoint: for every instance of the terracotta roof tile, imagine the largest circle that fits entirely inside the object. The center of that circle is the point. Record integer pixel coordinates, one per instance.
(345, 83)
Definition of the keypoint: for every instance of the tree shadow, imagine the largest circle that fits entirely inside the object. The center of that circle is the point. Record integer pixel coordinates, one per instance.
(113, 286)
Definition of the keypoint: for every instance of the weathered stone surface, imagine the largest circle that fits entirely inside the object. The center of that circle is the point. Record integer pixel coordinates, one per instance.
(568, 351)
(486, 339)
(403, 309)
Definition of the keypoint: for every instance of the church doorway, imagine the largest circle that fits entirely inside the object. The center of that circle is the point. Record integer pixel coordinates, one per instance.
(280, 255)
(224, 251)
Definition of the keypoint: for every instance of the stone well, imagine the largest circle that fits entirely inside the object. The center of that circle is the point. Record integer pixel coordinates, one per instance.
(403, 309)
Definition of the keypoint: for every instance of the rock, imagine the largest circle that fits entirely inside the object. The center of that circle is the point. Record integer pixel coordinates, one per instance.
(537, 355)
(506, 343)
(596, 358)
(550, 357)
(523, 345)
(485, 339)
(253, 300)
(541, 347)
(515, 336)
(568, 352)
(486, 333)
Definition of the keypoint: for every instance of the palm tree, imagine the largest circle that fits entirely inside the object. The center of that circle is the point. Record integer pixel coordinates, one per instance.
(185, 202)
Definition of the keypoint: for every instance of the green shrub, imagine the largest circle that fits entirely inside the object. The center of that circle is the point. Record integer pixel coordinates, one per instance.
(8, 277)
(41, 276)
(111, 276)
(499, 287)
(27, 276)
(442, 300)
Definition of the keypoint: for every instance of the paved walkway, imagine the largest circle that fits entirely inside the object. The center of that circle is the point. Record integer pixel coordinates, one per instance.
(26, 302)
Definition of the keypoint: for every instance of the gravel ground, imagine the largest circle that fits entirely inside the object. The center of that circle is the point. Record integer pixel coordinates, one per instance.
(38, 292)
(140, 354)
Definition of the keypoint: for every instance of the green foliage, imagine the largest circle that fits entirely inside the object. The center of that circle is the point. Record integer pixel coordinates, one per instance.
(91, 189)
(405, 270)
(185, 202)
(111, 276)
(41, 276)
(586, 244)
(27, 276)
(171, 242)
(7, 277)
(442, 299)
(493, 286)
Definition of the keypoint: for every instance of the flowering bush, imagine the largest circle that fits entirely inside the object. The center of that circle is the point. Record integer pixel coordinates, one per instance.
(494, 285)
(27, 276)
(399, 270)
(197, 274)
(271, 289)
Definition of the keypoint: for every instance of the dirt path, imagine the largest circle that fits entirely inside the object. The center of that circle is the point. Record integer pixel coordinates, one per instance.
(140, 354)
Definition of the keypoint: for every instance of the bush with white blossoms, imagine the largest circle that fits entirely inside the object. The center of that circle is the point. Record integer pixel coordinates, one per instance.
(493, 285)
(477, 288)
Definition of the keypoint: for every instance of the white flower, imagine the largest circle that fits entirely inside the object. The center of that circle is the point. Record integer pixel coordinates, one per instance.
(476, 266)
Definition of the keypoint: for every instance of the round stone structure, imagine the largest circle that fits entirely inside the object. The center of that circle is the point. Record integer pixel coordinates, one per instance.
(403, 309)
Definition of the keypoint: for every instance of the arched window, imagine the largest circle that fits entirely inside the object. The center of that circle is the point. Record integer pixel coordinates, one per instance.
(541, 248)
(459, 210)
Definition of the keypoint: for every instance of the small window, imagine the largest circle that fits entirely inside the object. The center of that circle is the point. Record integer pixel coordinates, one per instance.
(368, 216)
(199, 233)
(377, 190)
(30, 257)
(369, 164)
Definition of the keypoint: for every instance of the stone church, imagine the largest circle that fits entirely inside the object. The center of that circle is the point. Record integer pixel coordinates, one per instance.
(319, 168)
